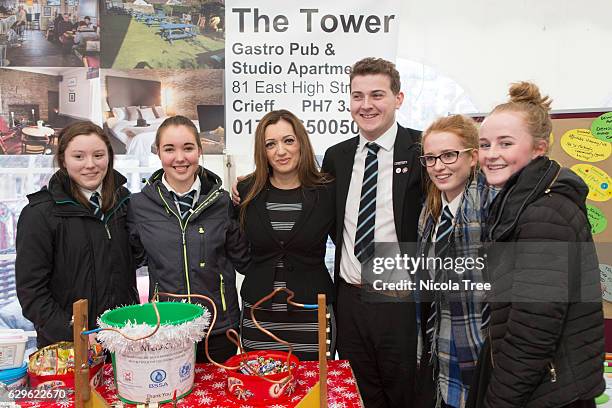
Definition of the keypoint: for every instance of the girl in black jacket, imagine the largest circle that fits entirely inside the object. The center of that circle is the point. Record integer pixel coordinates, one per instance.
(287, 213)
(545, 346)
(72, 242)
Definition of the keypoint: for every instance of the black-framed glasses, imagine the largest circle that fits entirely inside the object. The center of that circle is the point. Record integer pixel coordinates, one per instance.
(449, 157)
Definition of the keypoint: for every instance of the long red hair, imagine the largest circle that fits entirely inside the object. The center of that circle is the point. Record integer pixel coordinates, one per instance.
(465, 128)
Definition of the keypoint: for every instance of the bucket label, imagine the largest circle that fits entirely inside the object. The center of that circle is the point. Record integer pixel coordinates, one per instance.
(7, 355)
(155, 375)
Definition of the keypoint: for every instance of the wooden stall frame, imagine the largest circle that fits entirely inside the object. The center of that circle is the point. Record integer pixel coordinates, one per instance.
(317, 396)
(85, 396)
(323, 353)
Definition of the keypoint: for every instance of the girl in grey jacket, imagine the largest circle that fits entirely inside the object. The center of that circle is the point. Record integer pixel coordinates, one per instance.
(182, 226)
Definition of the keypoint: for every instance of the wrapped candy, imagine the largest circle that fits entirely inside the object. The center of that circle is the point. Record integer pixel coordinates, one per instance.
(58, 359)
(265, 366)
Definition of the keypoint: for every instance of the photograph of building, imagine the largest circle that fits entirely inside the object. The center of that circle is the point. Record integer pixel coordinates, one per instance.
(163, 34)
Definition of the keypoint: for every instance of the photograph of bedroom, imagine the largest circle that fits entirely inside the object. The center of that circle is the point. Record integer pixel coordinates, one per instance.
(163, 34)
(49, 33)
(36, 103)
(136, 102)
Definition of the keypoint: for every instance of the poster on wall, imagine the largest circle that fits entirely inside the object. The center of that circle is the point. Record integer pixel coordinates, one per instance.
(137, 101)
(580, 142)
(300, 59)
(33, 116)
(169, 34)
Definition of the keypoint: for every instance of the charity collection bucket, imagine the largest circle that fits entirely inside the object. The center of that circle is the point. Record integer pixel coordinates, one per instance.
(254, 389)
(14, 377)
(161, 367)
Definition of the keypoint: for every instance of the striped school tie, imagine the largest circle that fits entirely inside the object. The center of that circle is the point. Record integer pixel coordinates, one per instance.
(444, 230)
(185, 203)
(443, 239)
(366, 220)
(95, 206)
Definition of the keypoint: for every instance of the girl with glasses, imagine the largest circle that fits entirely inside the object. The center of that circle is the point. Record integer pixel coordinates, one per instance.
(545, 342)
(450, 227)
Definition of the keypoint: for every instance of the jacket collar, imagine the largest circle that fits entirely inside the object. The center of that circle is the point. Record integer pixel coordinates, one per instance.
(406, 167)
(211, 187)
(60, 190)
(522, 189)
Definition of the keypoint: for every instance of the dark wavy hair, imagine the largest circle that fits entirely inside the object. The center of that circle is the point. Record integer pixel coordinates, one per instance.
(308, 172)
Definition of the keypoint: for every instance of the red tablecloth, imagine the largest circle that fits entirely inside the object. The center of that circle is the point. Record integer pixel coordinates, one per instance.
(210, 388)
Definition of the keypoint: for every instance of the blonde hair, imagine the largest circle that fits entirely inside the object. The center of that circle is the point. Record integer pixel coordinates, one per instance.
(465, 128)
(525, 98)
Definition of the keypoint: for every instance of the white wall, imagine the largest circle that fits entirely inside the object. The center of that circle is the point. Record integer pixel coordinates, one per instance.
(88, 8)
(484, 45)
(85, 93)
(562, 45)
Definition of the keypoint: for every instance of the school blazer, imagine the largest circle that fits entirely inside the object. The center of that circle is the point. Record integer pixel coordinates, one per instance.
(303, 252)
(407, 184)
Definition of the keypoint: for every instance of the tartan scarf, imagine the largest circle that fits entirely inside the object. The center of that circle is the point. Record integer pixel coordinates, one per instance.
(457, 336)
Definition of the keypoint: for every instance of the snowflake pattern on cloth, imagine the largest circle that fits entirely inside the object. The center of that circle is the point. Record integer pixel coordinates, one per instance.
(208, 392)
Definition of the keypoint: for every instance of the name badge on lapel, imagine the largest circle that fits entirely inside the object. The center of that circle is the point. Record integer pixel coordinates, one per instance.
(400, 166)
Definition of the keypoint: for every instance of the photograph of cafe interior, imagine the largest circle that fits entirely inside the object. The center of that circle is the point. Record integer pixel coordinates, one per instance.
(32, 116)
(49, 33)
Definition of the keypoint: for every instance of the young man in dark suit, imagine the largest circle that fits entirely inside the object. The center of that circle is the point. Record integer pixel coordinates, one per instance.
(378, 199)
(378, 335)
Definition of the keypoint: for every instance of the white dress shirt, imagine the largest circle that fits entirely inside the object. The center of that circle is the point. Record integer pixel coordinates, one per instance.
(87, 193)
(453, 206)
(195, 186)
(384, 230)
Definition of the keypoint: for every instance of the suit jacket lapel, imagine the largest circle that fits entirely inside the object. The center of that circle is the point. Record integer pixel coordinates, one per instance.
(262, 212)
(307, 207)
(404, 153)
(344, 171)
